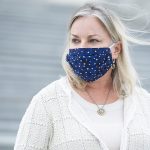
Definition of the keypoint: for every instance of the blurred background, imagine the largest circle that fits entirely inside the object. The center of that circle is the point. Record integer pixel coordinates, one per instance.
(32, 40)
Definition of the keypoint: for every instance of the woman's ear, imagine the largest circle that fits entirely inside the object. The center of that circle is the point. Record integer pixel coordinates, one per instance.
(116, 50)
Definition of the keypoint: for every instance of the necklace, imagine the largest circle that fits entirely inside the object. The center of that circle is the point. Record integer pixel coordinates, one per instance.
(101, 111)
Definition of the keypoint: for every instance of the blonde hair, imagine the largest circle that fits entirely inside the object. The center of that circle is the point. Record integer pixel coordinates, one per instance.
(125, 78)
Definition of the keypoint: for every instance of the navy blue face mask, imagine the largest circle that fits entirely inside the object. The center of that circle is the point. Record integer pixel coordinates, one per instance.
(90, 63)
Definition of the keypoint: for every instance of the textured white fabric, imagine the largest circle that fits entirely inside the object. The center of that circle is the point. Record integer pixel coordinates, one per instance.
(51, 122)
(113, 119)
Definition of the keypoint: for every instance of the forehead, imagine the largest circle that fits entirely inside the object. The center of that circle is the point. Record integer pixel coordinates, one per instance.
(88, 25)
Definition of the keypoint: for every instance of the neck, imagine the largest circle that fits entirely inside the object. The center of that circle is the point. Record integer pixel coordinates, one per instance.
(101, 84)
(101, 91)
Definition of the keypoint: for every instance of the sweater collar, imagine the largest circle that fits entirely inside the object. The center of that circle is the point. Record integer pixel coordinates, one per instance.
(131, 108)
(131, 105)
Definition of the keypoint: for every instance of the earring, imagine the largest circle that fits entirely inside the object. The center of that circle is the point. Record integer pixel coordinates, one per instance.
(123, 94)
(114, 64)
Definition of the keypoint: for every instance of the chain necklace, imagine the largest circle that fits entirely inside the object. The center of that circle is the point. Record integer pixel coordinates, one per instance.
(101, 111)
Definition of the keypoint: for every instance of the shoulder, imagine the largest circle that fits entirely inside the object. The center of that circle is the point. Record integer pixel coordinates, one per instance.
(143, 97)
(143, 93)
(52, 90)
(51, 97)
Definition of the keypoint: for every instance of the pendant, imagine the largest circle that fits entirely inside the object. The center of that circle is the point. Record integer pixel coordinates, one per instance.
(101, 111)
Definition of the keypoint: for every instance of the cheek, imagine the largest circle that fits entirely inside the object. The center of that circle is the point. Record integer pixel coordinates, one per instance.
(71, 45)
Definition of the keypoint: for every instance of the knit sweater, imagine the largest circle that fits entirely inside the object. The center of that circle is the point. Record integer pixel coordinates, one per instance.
(51, 122)
(112, 119)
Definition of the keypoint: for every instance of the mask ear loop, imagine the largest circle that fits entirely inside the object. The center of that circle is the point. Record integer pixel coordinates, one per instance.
(114, 60)
(112, 45)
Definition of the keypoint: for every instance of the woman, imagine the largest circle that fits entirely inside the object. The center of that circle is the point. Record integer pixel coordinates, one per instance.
(99, 104)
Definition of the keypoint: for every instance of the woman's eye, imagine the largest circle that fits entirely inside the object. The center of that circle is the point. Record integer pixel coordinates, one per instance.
(75, 41)
(94, 41)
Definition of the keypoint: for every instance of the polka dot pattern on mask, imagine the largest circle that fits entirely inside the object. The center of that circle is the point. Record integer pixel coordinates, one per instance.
(90, 63)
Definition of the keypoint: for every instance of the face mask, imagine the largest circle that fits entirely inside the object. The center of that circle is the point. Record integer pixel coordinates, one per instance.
(90, 63)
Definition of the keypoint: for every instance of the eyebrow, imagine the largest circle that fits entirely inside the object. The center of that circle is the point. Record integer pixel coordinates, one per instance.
(88, 35)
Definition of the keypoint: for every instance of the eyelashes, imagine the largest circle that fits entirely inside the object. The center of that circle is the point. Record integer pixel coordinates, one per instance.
(76, 41)
(94, 41)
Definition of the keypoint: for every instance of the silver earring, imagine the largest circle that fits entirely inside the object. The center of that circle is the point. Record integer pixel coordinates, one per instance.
(114, 64)
(123, 94)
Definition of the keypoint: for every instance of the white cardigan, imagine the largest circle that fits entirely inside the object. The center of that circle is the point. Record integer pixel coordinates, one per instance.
(51, 122)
